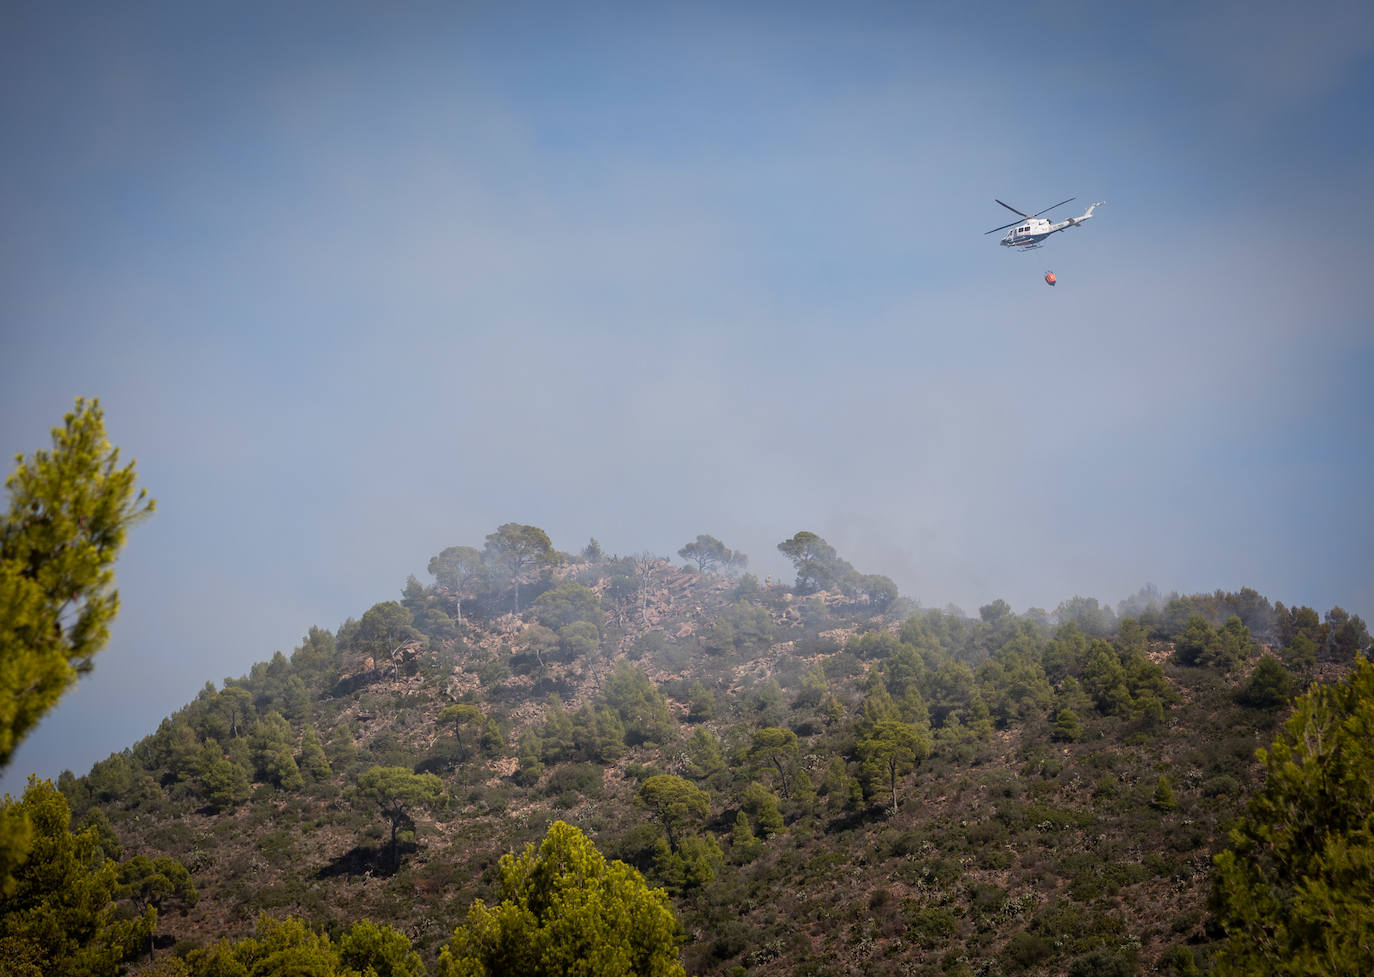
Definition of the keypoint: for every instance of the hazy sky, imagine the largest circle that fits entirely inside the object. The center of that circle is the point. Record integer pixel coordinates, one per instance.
(359, 281)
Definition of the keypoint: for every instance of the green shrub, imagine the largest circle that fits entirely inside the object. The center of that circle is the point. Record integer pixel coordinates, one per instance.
(579, 778)
(900, 844)
(983, 833)
(843, 665)
(930, 926)
(731, 939)
(276, 846)
(173, 837)
(1222, 785)
(1103, 963)
(1026, 950)
(1181, 961)
(986, 898)
(995, 858)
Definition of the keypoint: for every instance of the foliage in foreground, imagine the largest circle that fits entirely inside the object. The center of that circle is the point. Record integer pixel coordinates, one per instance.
(290, 948)
(566, 910)
(60, 915)
(1295, 893)
(69, 511)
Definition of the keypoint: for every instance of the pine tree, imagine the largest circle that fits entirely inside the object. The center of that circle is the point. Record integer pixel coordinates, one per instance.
(677, 803)
(1066, 727)
(397, 791)
(893, 749)
(224, 783)
(744, 844)
(289, 946)
(313, 763)
(370, 948)
(775, 749)
(59, 915)
(157, 882)
(1295, 892)
(566, 910)
(1163, 799)
(1268, 687)
(69, 511)
(761, 804)
(270, 741)
(467, 722)
(529, 753)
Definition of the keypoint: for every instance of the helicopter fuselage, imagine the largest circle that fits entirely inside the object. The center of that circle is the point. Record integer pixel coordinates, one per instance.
(1032, 232)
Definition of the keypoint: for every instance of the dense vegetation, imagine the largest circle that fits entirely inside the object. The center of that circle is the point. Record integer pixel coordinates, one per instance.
(823, 778)
(69, 510)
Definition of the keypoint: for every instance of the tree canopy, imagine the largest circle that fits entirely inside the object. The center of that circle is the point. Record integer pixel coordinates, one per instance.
(516, 548)
(1295, 891)
(893, 748)
(676, 803)
(707, 553)
(290, 947)
(69, 511)
(566, 910)
(57, 913)
(397, 791)
(157, 882)
(457, 567)
(384, 628)
(568, 603)
(776, 747)
(818, 566)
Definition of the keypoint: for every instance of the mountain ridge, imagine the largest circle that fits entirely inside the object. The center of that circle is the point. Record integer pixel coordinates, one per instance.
(1027, 840)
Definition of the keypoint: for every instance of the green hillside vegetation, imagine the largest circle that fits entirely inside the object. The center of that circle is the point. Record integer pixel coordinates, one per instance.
(807, 778)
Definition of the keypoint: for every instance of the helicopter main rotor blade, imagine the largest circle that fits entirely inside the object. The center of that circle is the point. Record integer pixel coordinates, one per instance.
(1048, 209)
(1024, 216)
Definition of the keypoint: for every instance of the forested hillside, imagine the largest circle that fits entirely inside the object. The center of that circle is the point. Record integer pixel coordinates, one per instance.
(825, 777)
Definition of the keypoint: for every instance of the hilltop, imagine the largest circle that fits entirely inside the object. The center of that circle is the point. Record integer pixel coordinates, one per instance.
(847, 783)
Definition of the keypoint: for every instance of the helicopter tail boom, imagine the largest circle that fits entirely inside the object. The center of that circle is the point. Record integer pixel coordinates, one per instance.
(1087, 214)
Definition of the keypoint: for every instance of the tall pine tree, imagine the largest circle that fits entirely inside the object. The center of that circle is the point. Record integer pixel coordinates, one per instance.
(1295, 892)
(68, 514)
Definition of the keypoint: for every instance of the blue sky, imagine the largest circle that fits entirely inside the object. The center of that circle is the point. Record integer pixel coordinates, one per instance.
(356, 282)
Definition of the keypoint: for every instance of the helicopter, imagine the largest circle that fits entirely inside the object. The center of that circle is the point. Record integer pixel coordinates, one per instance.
(1031, 230)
